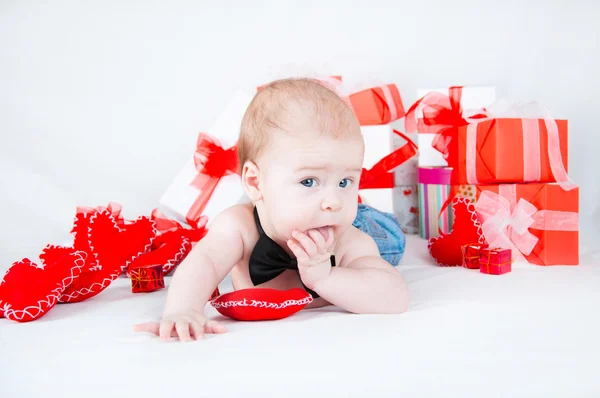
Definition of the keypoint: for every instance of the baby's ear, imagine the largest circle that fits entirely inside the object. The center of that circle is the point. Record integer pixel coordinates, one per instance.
(250, 181)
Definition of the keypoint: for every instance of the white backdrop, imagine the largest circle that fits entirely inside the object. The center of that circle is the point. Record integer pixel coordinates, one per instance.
(101, 101)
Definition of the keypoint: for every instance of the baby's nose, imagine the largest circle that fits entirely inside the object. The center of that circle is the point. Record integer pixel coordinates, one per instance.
(332, 202)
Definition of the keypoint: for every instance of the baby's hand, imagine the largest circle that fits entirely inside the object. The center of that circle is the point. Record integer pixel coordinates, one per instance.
(312, 250)
(185, 325)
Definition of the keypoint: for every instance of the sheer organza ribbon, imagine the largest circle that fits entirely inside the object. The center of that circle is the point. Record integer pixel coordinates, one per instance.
(212, 163)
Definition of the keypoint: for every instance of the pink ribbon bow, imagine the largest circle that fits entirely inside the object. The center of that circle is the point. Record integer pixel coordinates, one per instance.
(506, 223)
(504, 226)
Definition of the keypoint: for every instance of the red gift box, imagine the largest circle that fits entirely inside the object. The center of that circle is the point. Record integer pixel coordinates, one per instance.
(495, 261)
(147, 278)
(539, 222)
(377, 105)
(471, 255)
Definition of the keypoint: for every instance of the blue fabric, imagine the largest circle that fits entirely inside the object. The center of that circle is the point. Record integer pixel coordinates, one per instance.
(385, 230)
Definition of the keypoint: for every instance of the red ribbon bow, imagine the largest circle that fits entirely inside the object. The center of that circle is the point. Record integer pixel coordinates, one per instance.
(212, 163)
(442, 116)
(379, 175)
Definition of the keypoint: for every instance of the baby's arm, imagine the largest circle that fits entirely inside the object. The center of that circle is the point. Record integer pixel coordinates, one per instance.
(197, 277)
(363, 282)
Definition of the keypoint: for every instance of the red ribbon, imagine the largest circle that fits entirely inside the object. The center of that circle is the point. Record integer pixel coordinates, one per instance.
(379, 175)
(212, 163)
(442, 116)
(164, 224)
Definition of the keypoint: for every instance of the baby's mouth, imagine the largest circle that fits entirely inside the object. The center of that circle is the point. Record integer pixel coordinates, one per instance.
(324, 231)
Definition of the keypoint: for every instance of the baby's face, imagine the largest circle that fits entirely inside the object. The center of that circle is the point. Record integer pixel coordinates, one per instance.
(310, 182)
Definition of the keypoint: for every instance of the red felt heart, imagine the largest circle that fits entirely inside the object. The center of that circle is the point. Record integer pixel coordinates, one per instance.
(193, 235)
(80, 242)
(29, 291)
(259, 304)
(103, 234)
(446, 248)
(136, 240)
(112, 248)
(173, 249)
(81, 228)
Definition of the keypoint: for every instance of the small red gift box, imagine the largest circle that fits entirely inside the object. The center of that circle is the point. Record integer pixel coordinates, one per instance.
(147, 278)
(472, 254)
(495, 261)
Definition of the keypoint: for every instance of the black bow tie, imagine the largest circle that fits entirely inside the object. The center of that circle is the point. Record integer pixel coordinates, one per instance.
(268, 260)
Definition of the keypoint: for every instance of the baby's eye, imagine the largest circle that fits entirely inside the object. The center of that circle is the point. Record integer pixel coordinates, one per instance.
(345, 182)
(308, 182)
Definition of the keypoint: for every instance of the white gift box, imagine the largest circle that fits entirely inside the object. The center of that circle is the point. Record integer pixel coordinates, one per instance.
(406, 173)
(473, 97)
(405, 196)
(380, 141)
(179, 198)
(378, 144)
(406, 207)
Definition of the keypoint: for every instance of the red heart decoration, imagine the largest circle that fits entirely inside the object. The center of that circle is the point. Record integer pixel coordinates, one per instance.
(81, 228)
(103, 234)
(173, 249)
(466, 229)
(112, 248)
(80, 242)
(136, 240)
(260, 304)
(45, 283)
(177, 236)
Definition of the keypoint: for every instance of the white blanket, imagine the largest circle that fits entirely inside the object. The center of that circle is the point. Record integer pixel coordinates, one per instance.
(530, 333)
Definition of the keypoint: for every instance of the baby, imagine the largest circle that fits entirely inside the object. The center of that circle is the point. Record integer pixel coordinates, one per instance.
(301, 154)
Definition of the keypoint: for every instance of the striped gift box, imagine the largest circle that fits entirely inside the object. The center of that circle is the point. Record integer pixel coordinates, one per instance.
(434, 188)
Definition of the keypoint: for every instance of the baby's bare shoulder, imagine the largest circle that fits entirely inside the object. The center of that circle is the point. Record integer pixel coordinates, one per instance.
(354, 244)
(238, 217)
(230, 229)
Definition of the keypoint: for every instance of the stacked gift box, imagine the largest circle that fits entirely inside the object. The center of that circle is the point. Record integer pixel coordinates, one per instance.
(511, 161)
(389, 178)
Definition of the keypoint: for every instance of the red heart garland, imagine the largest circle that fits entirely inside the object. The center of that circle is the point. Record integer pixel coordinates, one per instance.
(45, 283)
(103, 233)
(105, 244)
(113, 248)
(260, 304)
(447, 249)
(172, 243)
(173, 249)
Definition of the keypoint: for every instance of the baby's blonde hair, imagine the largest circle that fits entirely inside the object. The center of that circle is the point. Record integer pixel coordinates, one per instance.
(280, 106)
